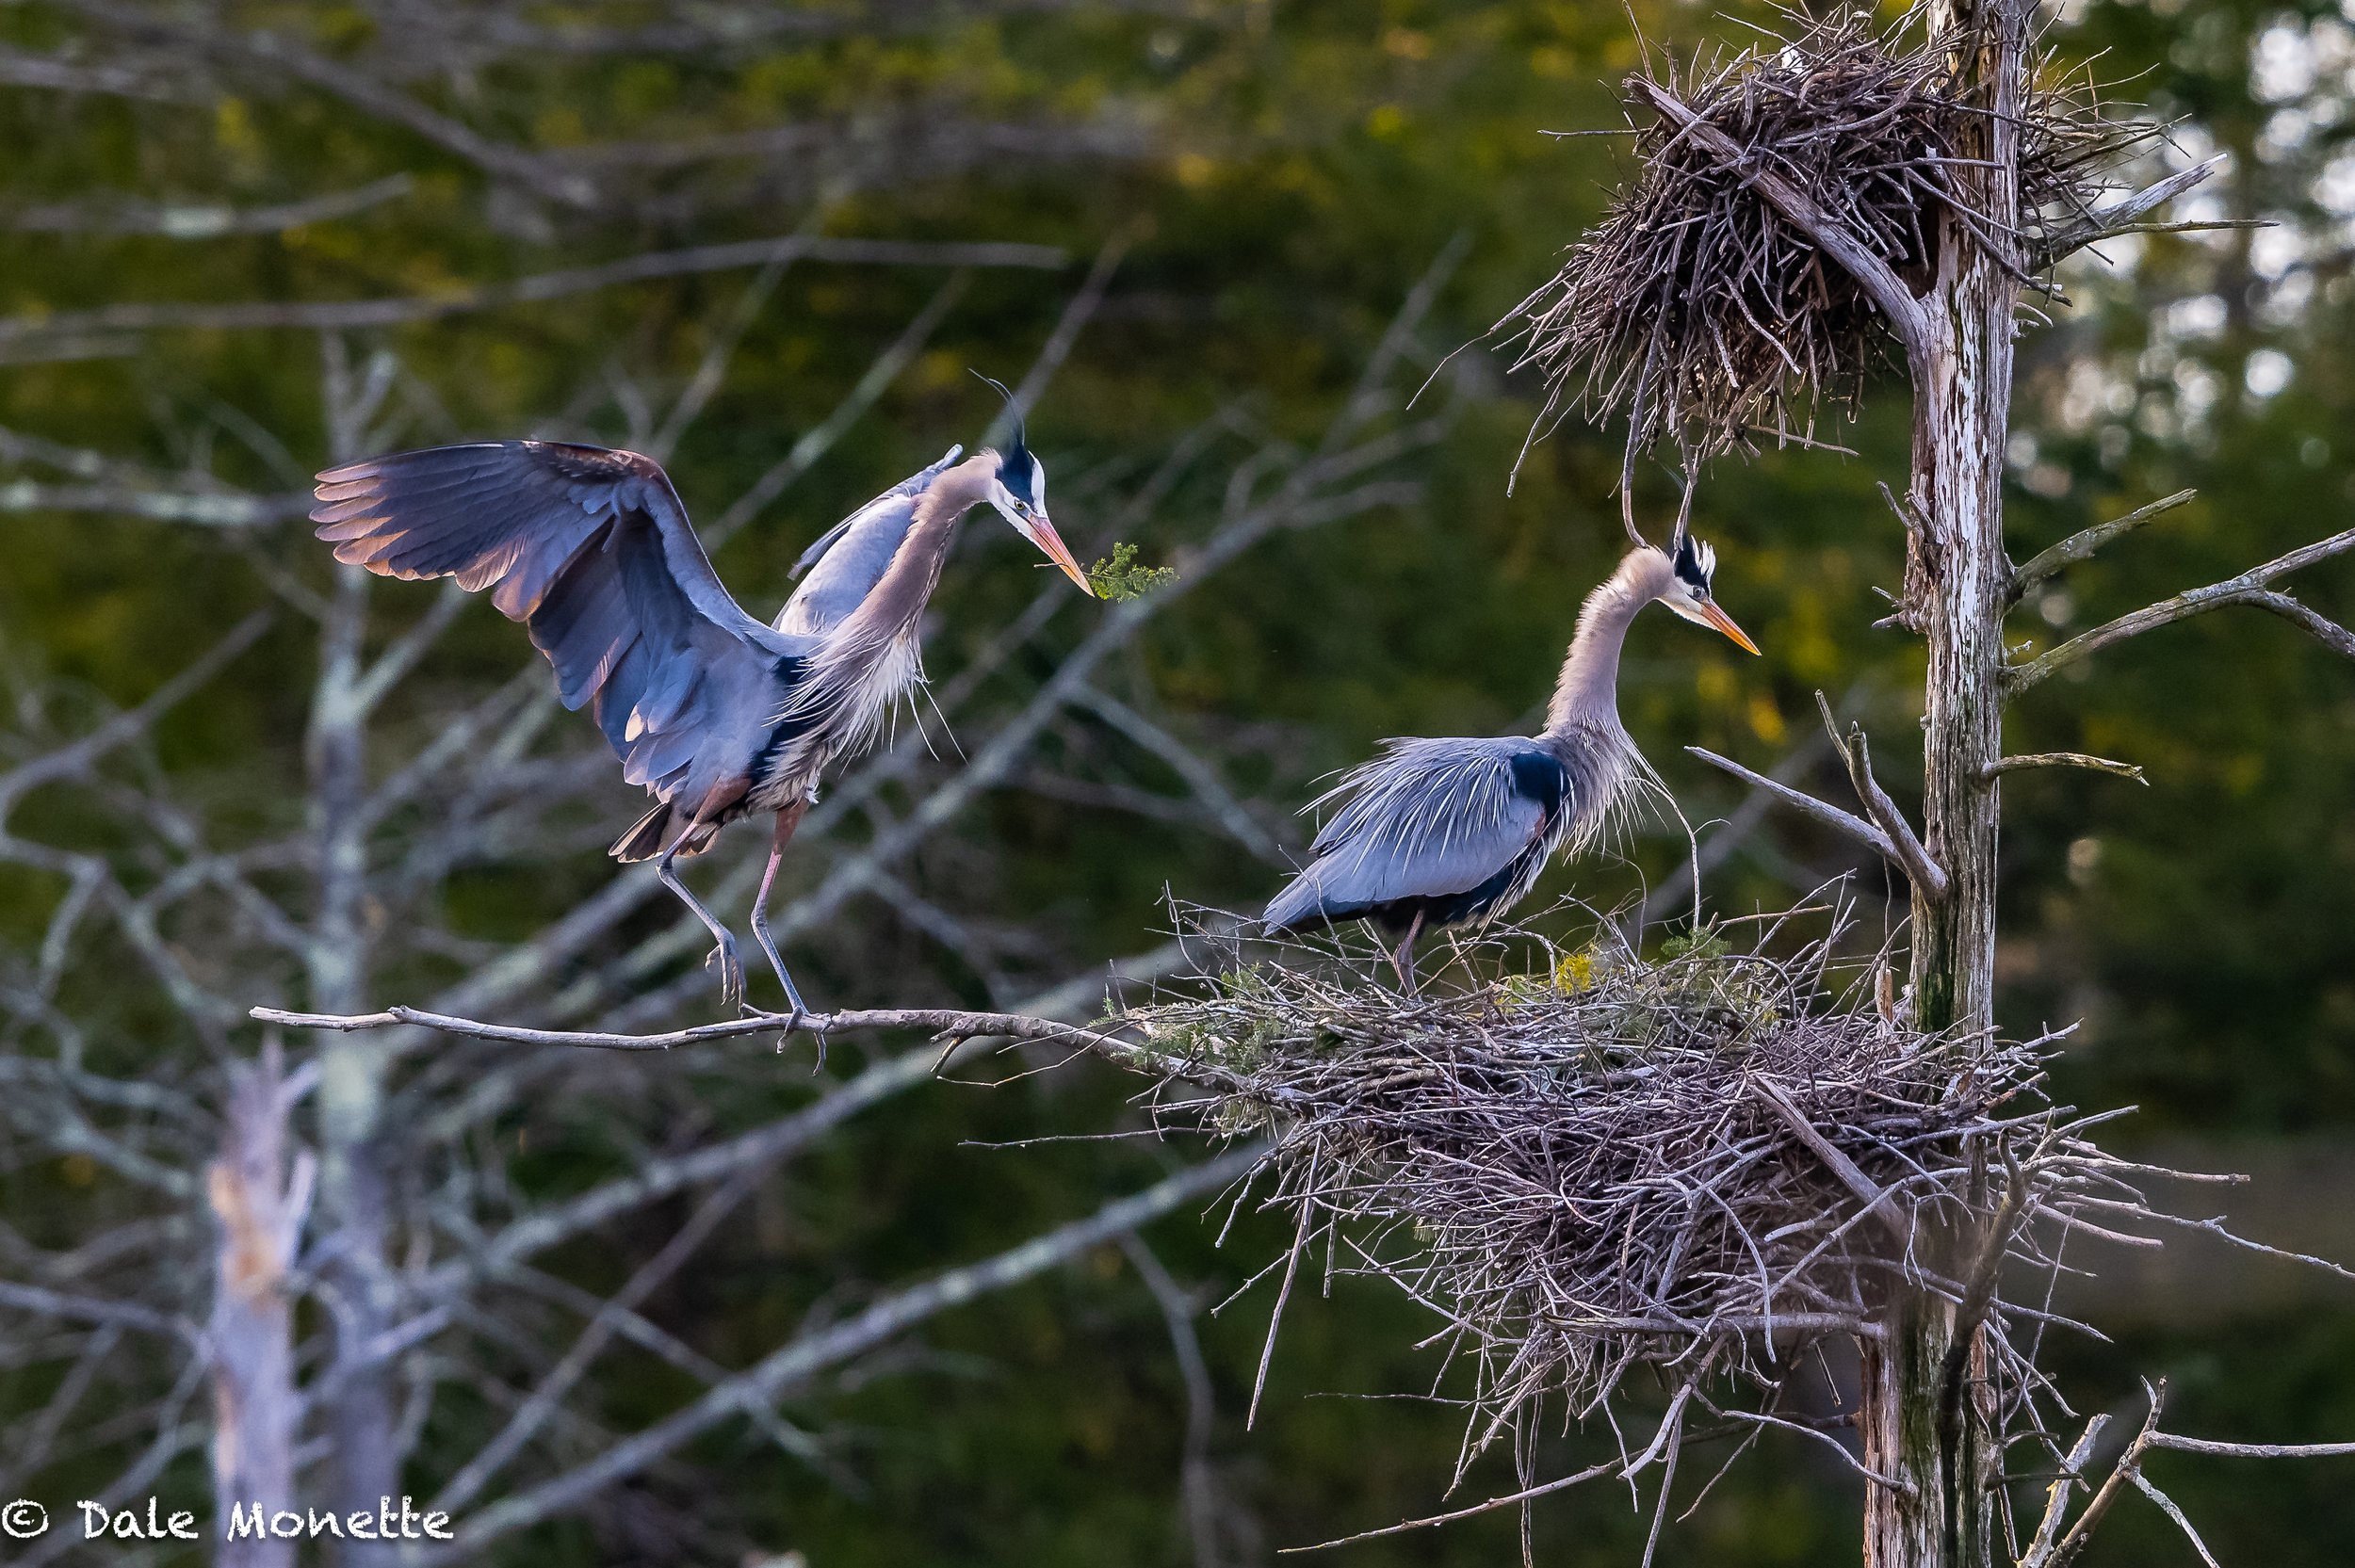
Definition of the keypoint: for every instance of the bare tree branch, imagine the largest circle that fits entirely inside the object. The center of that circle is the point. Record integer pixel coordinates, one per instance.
(2080, 547)
(334, 316)
(2249, 588)
(2124, 214)
(206, 508)
(1179, 1311)
(942, 1024)
(1807, 805)
(2064, 759)
(794, 1363)
(115, 80)
(201, 219)
(1856, 751)
(68, 760)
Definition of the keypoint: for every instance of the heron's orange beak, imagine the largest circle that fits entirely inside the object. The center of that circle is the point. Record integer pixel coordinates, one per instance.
(1723, 623)
(1050, 542)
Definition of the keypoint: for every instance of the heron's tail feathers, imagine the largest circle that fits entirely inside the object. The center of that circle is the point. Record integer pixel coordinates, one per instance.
(1302, 899)
(647, 837)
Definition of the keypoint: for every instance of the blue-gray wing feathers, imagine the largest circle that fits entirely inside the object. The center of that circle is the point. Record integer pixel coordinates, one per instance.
(592, 551)
(1426, 820)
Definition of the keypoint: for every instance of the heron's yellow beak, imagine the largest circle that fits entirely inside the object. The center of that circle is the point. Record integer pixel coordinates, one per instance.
(1723, 623)
(1050, 543)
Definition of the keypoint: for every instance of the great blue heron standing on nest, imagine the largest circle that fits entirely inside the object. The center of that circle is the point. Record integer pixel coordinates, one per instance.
(719, 716)
(1433, 832)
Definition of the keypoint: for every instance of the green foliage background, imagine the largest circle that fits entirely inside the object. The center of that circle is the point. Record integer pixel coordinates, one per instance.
(1288, 170)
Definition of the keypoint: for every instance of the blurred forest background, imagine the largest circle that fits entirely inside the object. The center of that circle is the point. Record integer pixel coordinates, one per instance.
(242, 240)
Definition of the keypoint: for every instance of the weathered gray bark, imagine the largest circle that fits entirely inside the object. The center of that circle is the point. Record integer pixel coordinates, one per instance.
(1918, 1421)
(259, 1202)
(356, 1393)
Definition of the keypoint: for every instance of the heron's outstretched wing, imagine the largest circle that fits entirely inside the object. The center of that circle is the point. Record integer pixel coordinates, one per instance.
(848, 558)
(591, 549)
(1424, 819)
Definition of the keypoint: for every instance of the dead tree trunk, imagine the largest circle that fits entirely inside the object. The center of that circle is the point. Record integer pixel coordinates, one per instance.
(359, 1407)
(259, 1202)
(1923, 1419)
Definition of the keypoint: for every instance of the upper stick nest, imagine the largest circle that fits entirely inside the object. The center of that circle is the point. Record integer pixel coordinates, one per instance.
(1705, 317)
(1584, 1168)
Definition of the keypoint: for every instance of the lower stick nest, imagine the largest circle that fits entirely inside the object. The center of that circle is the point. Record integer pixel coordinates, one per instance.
(1583, 1161)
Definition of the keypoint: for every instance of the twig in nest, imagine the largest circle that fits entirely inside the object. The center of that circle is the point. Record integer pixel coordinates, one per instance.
(1787, 202)
(1602, 1162)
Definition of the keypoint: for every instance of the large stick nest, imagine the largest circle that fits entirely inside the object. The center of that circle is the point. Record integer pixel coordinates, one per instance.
(1580, 1167)
(1705, 317)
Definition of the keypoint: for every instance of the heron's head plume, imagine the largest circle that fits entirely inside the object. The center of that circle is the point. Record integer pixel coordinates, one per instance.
(1018, 492)
(1689, 588)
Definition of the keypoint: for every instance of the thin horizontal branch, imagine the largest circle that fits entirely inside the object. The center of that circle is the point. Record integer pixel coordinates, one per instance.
(533, 289)
(1807, 805)
(88, 1309)
(42, 70)
(2250, 587)
(796, 1362)
(1875, 276)
(2252, 1451)
(2064, 759)
(941, 1024)
(210, 508)
(283, 55)
(2124, 214)
(201, 219)
(1525, 1494)
(2081, 546)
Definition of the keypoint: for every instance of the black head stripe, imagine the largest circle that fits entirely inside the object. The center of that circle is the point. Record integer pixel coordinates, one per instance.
(1696, 563)
(1018, 470)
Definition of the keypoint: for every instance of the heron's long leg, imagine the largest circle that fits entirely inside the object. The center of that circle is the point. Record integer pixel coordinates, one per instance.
(787, 820)
(1403, 957)
(731, 967)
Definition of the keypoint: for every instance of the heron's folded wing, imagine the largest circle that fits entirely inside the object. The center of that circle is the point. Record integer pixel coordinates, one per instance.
(1424, 819)
(592, 551)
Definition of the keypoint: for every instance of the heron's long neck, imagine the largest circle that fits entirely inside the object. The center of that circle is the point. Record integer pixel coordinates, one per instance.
(1588, 688)
(906, 585)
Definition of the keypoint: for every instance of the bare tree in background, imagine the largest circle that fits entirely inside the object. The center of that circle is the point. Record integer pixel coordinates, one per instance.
(309, 1252)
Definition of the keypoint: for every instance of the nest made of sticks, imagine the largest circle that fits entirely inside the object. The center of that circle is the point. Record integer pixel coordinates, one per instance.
(1705, 317)
(1594, 1161)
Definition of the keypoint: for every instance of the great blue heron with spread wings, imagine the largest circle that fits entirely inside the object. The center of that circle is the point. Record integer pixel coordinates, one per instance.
(1433, 832)
(719, 716)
